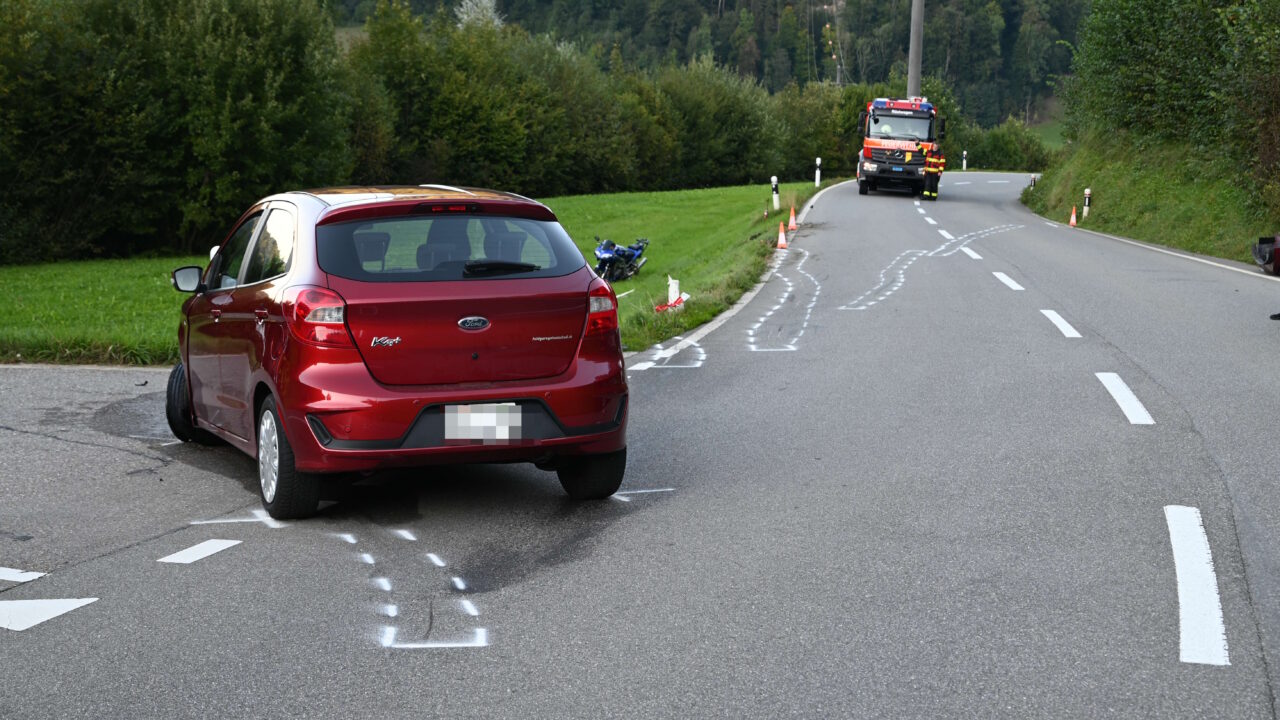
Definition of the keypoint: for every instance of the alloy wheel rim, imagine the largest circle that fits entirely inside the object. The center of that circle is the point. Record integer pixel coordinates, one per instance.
(268, 456)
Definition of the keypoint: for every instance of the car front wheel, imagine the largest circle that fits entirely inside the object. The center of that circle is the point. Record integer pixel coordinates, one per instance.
(286, 493)
(593, 477)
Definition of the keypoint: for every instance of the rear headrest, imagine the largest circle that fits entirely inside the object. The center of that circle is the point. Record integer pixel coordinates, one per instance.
(504, 245)
(371, 246)
(446, 241)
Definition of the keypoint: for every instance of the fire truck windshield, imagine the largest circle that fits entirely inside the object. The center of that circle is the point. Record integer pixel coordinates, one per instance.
(897, 127)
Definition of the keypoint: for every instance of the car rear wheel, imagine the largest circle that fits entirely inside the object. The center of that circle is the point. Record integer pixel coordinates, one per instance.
(286, 493)
(177, 410)
(593, 477)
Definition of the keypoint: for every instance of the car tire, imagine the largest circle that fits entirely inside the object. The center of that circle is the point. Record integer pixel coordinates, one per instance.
(177, 410)
(862, 188)
(286, 493)
(593, 477)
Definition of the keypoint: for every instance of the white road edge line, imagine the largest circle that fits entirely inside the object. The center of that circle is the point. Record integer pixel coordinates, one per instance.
(641, 492)
(1008, 281)
(199, 552)
(1124, 397)
(1203, 635)
(18, 576)
(480, 638)
(1192, 258)
(1063, 325)
(965, 249)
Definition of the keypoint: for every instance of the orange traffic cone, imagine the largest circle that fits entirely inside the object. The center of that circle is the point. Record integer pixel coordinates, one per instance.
(1073, 216)
(792, 225)
(782, 237)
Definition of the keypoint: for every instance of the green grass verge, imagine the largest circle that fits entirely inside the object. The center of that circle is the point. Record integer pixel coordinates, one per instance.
(1050, 133)
(1164, 194)
(715, 242)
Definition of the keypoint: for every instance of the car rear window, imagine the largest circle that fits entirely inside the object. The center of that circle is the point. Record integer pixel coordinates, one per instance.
(446, 247)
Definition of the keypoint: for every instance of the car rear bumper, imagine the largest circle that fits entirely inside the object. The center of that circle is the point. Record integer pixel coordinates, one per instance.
(339, 419)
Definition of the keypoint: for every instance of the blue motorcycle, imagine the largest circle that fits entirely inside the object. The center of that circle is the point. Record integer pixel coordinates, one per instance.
(616, 262)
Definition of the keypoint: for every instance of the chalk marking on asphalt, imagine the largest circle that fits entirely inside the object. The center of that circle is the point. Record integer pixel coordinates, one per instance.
(965, 249)
(946, 234)
(664, 355)
(1008, 281)
(480, 638)
(949, 248)
(619, 498)
(383, 583)
(258, 516)
(18, 576)
(1063, 325)
(753, 344)
(1203, 635)
(199, 552)
(930, 220)
(23, 614)
(435, 559)
(346, 537)
(897, 269)
(390, 610)
(149, 437)
(366, 558)
(642, 366)
(1051, 224)
(750, 295)
(406, 534)
(641, 492)
(469, 608)
(458, 583)
(175, 442)
(1124, 397)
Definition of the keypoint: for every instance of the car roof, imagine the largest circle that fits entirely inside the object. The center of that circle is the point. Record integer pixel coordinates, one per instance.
(363, 195)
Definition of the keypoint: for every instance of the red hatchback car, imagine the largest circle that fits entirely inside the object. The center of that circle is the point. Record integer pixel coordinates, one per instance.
(353, 329)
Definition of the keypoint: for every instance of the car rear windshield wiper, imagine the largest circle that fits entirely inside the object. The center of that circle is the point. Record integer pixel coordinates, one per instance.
(496, 267)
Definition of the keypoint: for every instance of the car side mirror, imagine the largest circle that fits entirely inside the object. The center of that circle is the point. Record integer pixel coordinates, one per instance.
(213, 251)
(187, 279)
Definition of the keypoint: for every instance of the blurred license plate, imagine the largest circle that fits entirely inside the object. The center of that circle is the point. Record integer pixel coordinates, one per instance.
(897, 169)
(485, 422)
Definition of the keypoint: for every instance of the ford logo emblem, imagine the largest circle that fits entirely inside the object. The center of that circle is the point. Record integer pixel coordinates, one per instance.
(475, 322)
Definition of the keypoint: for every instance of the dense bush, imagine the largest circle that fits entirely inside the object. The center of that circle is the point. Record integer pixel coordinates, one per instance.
(146, 126)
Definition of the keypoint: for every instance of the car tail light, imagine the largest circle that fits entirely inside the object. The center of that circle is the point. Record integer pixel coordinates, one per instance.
(317, 316)
(602, 308)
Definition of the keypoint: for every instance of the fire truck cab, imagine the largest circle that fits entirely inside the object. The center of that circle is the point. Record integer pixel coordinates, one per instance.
(896, 135)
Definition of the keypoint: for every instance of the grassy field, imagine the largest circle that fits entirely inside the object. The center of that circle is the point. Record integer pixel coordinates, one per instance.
(1050, 133)
(714, 241)
(1161, 194)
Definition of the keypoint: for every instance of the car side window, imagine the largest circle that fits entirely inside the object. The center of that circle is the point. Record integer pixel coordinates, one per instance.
(274, 249)
(226, 266)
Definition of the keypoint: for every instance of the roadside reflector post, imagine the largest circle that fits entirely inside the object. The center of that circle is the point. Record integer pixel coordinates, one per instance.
(964, 160)
(777, 204)
(817, 174)
(1033, 182)
(1088, 195)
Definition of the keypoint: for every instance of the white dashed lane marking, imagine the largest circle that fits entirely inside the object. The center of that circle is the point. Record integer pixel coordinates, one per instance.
(946, 235)
(23, 614)
(18, 576)
(1008, 281)
(930, 220)
(970, 253)
(1124, 397)
(1063, 325)
(259, 516)
(406, 534)
(1202, 632)
(198, 552)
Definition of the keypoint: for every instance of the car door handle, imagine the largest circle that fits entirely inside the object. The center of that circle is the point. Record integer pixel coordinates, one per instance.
(260, 314)
(217, 314)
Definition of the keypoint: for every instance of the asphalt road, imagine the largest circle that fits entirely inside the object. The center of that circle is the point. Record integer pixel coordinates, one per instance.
(890, 485)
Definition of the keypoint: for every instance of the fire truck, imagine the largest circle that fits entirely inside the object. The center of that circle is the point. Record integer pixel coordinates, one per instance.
(896, 135)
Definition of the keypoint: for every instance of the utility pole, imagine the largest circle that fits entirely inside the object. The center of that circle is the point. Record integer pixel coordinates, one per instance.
(916, 48)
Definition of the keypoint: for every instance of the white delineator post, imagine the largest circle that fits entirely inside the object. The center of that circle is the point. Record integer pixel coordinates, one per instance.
(1088, 195)
(777, 205)
(964, 160)
(817, 174)
(673, 289)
